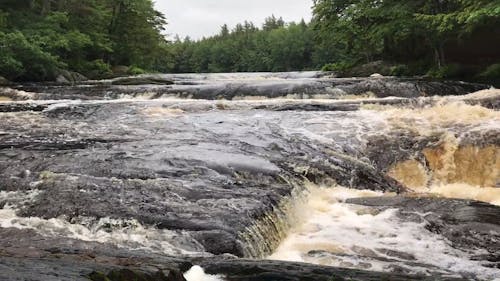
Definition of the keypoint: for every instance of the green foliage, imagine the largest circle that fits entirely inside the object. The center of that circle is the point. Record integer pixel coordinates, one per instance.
(447, 71)
(20, 59)
(491, 72)
(134, 70)
(400, 70)
(412, 35)
(95, 69)
(87, 36)
(340, 67)
(274, 47)
(39, 38)
(365, 30)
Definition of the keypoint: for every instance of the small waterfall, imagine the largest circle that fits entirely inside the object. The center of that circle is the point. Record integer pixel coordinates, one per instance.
(266, 233)
(464, 163)
(453, 170)
(332, 232)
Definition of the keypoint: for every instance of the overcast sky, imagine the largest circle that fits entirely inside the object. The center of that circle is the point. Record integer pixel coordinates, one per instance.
(198, 18)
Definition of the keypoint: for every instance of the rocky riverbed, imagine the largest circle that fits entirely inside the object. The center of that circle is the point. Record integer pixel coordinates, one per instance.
(289, 176)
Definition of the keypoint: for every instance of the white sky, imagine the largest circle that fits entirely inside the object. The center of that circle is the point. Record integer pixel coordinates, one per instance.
(198, 18)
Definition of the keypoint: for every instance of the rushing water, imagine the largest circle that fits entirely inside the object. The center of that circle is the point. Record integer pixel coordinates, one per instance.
(153, 172)
(334, 233)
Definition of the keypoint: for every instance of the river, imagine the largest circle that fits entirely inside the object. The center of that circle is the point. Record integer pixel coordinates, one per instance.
(250, 176)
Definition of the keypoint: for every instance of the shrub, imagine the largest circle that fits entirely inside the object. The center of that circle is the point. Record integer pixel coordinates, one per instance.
(400, 70)
(447, 71)
(134, 70)
(95, 69)
(340, 67)
(23, 60)
(491, 72)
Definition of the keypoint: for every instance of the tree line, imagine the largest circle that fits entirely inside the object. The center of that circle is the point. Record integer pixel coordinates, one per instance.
(39, 38)
(443, 38)
(275, 46)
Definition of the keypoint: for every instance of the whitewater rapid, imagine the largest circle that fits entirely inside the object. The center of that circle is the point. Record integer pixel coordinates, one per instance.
(167, 174)
(330, 232)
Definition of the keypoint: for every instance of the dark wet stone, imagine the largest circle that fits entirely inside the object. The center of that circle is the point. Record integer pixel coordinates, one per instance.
(252, 270)
(403, 145)
(127, 274)
(53, 144)
(312, 107)
(407, 88)
(18, 107)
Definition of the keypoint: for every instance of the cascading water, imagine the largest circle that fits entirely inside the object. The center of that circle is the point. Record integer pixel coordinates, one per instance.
(334, 233)
(456, 166)
(254, 166)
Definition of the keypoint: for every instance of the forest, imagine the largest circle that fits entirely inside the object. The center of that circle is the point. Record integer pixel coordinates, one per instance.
(40, 39)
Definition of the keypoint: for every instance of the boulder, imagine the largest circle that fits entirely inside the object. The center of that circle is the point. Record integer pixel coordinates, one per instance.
(69, 77)
(61, 79)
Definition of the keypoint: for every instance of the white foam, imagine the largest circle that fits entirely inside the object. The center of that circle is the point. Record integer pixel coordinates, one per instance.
(334, 233)
(196, 273)
(122, 233)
